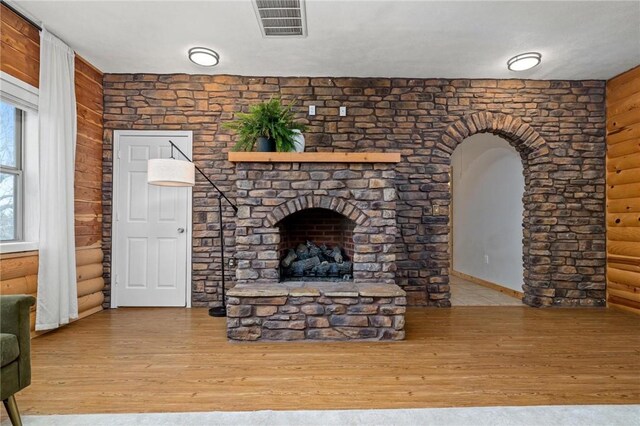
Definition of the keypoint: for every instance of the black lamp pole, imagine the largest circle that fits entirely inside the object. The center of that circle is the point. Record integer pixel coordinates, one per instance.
(216, 311)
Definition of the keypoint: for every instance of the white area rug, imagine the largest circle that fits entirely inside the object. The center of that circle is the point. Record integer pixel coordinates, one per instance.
(557, 415)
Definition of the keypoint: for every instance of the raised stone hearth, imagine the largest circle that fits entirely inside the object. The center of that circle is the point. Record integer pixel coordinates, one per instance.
(316, 311)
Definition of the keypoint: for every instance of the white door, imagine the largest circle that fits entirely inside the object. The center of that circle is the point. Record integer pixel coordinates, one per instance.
(152, 224)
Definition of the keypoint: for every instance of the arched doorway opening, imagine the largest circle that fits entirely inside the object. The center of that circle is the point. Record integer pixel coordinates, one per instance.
(486, 242)
(538, 289)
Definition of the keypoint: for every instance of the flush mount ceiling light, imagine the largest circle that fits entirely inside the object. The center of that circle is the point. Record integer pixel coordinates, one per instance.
(524, 61)
(203, 56)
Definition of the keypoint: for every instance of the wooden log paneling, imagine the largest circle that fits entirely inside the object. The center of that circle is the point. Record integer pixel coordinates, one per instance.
(20, 52)
(623, 219)
(622, 86)
(623, 191)
(629, 205)
(19, 47)
(94, 285)
(20, 285)
(624, 234)
(623, 262)
(631, 146)
(89, 272)
(629, 278)
(22, 278)
(88, 153)
(88, 257)
(624, 176)
(16, 267)
(90, 301)
(624, 248)
(626, 162)
(624, 287)
(629, 190)
(622, 135)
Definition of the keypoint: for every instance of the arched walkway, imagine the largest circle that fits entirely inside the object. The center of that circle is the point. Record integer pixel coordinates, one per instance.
(487, 184)
(533, 151)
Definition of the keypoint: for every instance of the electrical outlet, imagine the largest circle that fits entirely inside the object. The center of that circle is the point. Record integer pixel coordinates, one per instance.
(312, 110)
(343, 111)
(486, 259)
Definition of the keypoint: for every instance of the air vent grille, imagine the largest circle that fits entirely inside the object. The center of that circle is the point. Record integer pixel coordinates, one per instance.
(281, 18)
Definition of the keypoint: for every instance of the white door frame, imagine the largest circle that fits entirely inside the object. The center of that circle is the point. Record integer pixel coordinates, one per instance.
(117, 134)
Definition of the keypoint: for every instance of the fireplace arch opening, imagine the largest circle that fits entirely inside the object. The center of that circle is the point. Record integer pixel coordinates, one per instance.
(316, 244)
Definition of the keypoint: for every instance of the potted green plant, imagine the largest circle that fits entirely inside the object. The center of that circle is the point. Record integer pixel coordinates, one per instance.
(269, 124)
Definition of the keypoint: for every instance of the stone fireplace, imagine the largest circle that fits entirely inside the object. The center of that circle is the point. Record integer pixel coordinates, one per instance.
(338, 218)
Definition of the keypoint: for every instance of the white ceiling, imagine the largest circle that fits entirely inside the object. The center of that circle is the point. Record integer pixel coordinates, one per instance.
(577, 39)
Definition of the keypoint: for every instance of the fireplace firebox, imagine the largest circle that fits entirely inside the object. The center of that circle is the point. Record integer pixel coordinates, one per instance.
(316, 245)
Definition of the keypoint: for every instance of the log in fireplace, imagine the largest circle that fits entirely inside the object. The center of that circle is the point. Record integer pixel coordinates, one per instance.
(310, 262)
(316, 245)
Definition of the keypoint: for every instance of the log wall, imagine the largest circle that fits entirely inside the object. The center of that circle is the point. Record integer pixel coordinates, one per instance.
(20, 52)
(20, 47)
(623, 191)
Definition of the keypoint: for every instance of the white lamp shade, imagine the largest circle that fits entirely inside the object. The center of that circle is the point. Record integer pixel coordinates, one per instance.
(170, 172)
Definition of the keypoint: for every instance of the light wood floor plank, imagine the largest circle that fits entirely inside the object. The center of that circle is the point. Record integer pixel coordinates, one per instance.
(168, 360)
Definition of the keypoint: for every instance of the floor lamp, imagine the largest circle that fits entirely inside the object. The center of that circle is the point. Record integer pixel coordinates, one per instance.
(172, 172)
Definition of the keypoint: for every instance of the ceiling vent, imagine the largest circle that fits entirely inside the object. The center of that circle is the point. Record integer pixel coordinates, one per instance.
(281, 18)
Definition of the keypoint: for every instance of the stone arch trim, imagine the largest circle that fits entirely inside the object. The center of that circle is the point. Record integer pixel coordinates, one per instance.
(538, 288)
(519, 134)
(310, 201)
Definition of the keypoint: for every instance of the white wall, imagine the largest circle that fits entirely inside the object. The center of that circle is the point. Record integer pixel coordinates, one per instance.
(488, 184)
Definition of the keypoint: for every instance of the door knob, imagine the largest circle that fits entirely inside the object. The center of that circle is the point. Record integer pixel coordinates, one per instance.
(180, 230)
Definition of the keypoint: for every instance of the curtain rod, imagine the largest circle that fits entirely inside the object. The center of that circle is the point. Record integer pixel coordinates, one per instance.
(20, 14)
(31, 22)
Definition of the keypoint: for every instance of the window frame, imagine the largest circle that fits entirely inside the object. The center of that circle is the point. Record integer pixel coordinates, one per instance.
(17, 172)
(24, 97)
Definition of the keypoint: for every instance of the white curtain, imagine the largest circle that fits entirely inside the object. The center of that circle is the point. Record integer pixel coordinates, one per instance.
(57, 287)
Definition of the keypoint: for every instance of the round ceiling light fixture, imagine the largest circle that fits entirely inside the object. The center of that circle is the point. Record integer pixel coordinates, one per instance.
(524, 61)
(203, 56)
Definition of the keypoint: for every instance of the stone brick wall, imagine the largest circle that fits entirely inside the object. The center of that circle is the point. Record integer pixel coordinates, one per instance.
(558, 126)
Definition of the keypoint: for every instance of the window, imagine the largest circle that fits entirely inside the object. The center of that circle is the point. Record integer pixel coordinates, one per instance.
(11, 178)
(19, 186)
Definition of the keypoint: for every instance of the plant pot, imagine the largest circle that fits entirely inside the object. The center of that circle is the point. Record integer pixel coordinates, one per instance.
(265, 144)
(299, 141)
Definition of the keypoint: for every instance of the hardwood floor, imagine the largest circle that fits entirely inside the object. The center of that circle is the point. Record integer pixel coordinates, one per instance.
(162, 360)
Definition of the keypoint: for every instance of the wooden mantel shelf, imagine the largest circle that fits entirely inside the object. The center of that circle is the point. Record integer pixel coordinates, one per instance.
(314, 157)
